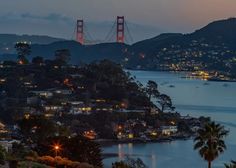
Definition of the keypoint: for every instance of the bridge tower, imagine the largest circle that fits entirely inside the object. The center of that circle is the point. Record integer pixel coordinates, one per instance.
(120, 31)
(80, 31)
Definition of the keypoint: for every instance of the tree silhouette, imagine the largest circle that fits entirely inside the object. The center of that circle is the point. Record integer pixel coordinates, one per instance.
(62, 56)
(36, 128)
(152, 89)
(210, 141)
(165, 102)
(129, 163)
(37, 60)
(231, 165)
(23, 50)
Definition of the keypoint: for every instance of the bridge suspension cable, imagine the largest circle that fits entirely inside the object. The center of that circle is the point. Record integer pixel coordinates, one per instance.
(110, 34)
(128, 33)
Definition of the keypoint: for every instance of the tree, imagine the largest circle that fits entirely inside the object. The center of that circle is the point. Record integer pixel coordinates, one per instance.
(120, 164)
(37, 60)
(231, 165)
(152, 89)
(129, 163)
(23, 50)
(9, 63)
(19, 152)
(36, 128)
(2, 155)
(210, 141)
(14, 86)
(62, 56)
(165, 102)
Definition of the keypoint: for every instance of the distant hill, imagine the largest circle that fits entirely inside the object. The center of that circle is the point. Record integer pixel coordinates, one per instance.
(80, 53)
(7, 41)
(211, 47)
(156, 42)
(222, 31)
(34, 39)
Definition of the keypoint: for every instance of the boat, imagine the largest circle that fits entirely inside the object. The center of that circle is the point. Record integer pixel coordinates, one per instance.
(206, 83)
(225, 85)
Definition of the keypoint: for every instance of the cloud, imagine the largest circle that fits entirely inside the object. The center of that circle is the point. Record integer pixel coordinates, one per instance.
(52, 17)
(55, 17)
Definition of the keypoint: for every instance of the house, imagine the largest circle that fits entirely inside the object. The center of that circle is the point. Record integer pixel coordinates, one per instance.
(90, 134)
(80, 110)
(195, 128)
(53, 108)
(7, 144)
(168, 130)
(79, 107)
(63, 91)
(43, 93)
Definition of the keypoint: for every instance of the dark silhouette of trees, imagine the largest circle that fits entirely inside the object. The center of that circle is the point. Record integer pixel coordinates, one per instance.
(23, 50)
(120, 164)
(129, 163)
(36, 128)
(231, 165)
(210, 141)
(14, 86)
(152, 89)
(9, 63)
(165, 102)
(38, 60)
(62, 56)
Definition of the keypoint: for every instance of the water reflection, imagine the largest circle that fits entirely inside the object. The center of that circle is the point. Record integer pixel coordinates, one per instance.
(120, 152)
(154, 161)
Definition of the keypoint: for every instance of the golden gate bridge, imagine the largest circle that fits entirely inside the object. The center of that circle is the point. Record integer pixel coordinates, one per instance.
(119, 33)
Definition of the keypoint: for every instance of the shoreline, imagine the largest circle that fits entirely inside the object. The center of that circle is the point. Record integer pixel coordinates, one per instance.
(185, 77)
(110, 142)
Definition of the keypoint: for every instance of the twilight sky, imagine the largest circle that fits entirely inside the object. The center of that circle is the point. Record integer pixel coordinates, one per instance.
(56, 17)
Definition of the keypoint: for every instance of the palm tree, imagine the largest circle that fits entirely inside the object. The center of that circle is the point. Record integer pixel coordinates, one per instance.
(231, 165)
(210, 141)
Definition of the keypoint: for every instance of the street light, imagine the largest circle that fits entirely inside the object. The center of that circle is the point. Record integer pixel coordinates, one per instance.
(56, 148)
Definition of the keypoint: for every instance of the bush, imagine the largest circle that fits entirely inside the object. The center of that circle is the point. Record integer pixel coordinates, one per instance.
(2, 155)
(62, 162)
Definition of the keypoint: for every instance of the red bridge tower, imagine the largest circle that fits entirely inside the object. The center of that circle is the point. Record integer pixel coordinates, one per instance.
(80, 31)
(120, 36)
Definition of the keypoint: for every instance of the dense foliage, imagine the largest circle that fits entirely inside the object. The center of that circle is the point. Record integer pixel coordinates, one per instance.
(129, 163)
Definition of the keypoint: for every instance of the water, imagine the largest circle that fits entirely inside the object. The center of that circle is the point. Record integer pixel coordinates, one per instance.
(190, 96)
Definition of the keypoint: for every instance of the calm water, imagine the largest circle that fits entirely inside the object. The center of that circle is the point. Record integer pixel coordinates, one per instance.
(196, 98)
